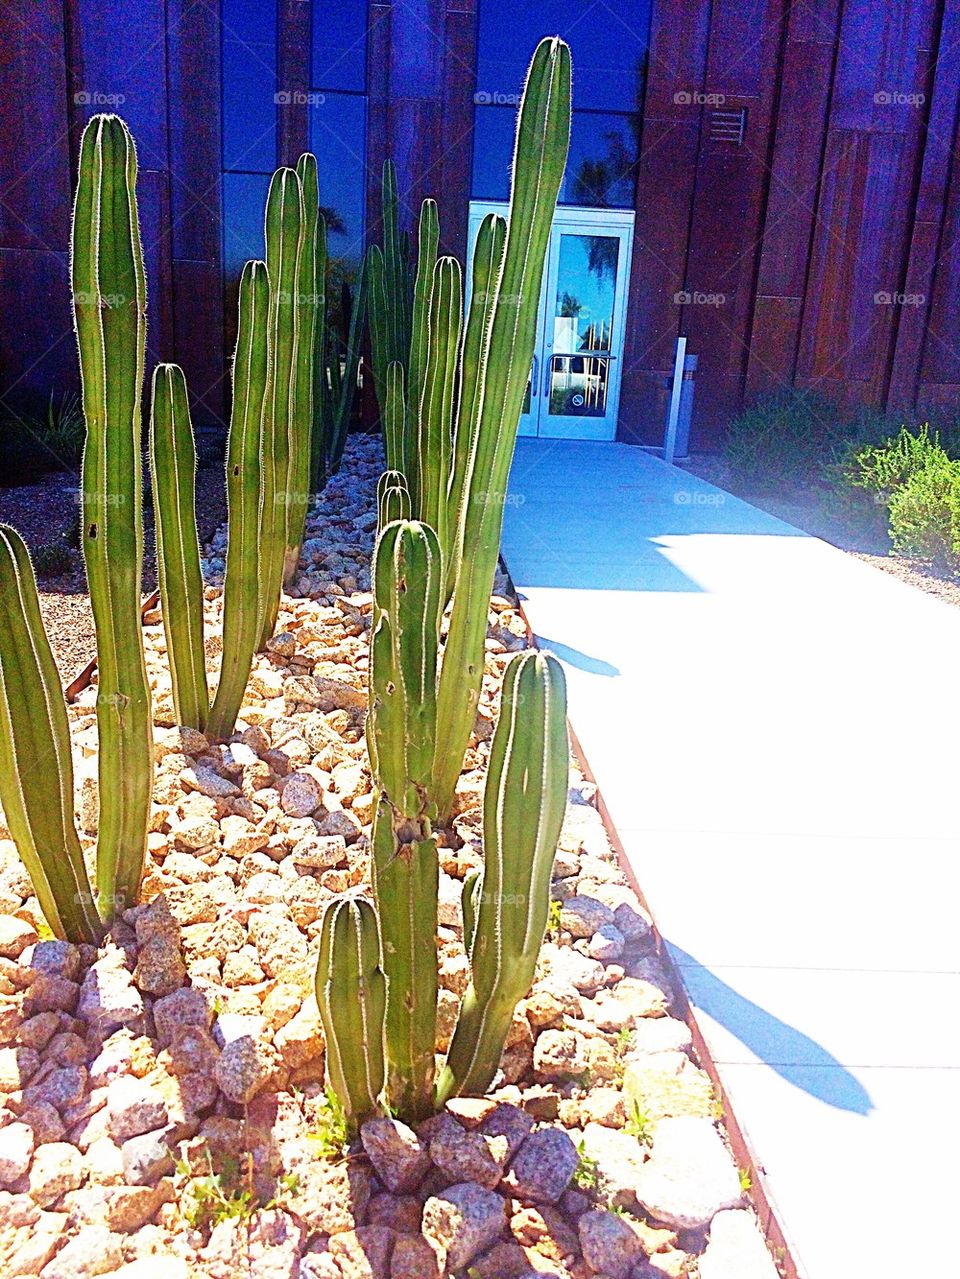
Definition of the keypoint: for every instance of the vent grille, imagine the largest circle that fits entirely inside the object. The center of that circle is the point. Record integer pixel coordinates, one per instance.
(728, 126)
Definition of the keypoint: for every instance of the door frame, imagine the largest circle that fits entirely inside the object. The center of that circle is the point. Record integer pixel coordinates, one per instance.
(576, 219)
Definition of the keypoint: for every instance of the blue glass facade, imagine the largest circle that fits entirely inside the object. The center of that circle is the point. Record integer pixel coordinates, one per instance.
(608, 44)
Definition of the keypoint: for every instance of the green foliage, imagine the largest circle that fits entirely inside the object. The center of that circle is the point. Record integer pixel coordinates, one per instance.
(225, 1192)
(53, 559)
(639, 1124)
(746, 1181)
(33, 443)
(784, 439)
(329, 1135)
(554, 915)
(586, 1176)
(924, 515)
(880, 469)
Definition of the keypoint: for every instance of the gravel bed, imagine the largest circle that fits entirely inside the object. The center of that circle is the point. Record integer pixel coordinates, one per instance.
(162, 1109)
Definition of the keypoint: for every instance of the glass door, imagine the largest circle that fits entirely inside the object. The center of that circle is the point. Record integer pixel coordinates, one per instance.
(574, 386)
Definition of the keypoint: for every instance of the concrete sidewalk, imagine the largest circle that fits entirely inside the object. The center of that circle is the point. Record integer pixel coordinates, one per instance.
(774, 727)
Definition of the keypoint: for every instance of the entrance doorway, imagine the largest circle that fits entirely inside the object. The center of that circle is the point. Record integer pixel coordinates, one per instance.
(574, 386)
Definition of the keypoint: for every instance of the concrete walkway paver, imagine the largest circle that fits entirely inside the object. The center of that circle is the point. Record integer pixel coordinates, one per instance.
(774, 727)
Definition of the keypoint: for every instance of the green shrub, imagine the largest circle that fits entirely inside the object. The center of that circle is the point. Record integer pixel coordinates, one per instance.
(881, 469)
(924, 514)
(784, 439)
(32, 444)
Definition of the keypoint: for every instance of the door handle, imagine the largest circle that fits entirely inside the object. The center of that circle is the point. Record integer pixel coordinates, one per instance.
(534, 379)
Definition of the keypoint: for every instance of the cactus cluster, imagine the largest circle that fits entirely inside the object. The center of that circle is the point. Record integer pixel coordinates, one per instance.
(284, 371)
(450, 398)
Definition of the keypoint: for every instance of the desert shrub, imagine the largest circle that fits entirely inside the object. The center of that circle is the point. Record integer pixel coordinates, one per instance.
(784, 439)
(924, 514)
(33, 444)
(880, 469)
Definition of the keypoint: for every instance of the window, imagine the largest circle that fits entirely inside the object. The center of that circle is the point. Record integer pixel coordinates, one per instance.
(608, 42)
(338, 124)
(340, 45)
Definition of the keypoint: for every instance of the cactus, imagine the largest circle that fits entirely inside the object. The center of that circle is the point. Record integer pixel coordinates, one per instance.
(506, 910)
(109, 301)
(438, 398)
(390, 303)
(428, 238)
(284, 233)
(343, 382)
(36, 769)
(395, 420)
(407, 587)
(393, 500)
(505, 356)
(173, 464)
(241, 627)
(310, 319)
(485, 269)
(352, 998)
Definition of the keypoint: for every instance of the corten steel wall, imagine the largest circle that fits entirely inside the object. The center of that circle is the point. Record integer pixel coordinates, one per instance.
(831, 235)
(844, 188)
(59, 61)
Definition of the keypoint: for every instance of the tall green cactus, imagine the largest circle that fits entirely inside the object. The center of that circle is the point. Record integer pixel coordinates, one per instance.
(407, 588)
(395, 419)
(390, 300)
(36, 768)
(109, 303)
(439, 387)
(543, 135)
(241, 620)
(352, 998)
(428, 238)
(343, 381)
(310, 318)
(393, 499)
(284, 233)
(173, 465)
(506, 916)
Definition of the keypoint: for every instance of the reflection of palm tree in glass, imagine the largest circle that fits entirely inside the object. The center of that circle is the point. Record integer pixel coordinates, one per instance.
(569, 305)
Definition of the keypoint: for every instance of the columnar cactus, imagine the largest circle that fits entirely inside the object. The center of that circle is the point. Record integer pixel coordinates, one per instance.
(390, 299)
(310, 319)
(36, 769)
(241, 620)
(439, 388)
(285, 232)
(506, 908)
(393, 499)
(109, 303)
(505, 355)
(342, 381)
(173, 464)
(407, 587)
(352, 997)
(428, 237)
(395, 419)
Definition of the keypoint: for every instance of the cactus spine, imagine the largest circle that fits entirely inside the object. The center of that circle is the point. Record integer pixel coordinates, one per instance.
(36, 769)
(506, 914)
(543, 135)
(240, 612)
(284, 234)
(173, 464)
(109, 301)
(352, 998)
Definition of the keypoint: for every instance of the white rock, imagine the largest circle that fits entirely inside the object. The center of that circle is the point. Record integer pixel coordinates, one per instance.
(690, 1175)
(16, 1149)
(134, 1108)
(736, 1249)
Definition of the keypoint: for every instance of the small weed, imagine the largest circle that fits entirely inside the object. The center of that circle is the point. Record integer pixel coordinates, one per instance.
(587, 1174)
(45, 932)
(217, 1195)
(53, 559)
(553, 918)
(625, 1037)
(639, 1124)
(330, 1135)
(746, 1182)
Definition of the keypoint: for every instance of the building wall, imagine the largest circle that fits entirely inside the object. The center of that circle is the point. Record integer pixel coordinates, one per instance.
(819, 250)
